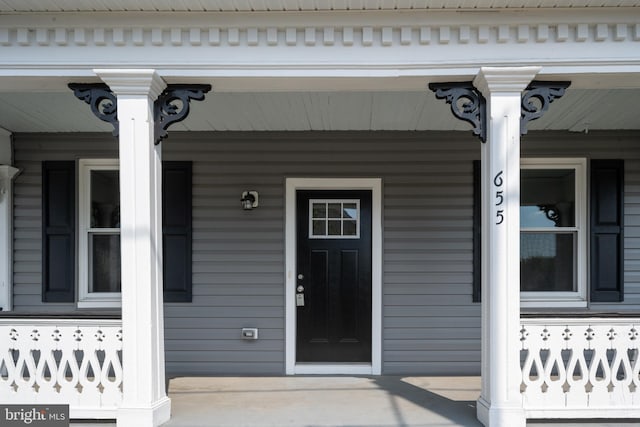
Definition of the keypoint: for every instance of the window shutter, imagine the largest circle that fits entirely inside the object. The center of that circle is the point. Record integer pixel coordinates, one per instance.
(176, 231)
(477, 232)
(58, 231)
(607, 246)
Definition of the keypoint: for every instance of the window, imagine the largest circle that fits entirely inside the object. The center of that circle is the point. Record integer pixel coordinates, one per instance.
(93, 265)
(334, 219)
(553, 240)
(99, 233)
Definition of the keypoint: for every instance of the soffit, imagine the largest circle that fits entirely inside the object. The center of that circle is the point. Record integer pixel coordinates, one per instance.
(19, 6)
(578, 110)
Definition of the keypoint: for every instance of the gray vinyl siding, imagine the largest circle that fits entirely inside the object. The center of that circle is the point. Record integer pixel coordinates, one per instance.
(430, 325)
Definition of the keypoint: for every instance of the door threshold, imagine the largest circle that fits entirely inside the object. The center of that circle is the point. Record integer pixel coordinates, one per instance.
(333, 369)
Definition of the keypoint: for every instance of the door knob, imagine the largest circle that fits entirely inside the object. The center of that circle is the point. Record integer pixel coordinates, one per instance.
(300, 288)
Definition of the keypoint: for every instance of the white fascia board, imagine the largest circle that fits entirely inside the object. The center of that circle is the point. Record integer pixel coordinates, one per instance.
(364, 45)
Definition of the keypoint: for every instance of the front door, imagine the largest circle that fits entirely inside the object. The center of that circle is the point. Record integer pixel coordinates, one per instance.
(333, 286)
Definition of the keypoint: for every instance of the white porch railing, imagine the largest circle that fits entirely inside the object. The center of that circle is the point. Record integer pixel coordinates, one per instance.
(580, 368)
(62, 361)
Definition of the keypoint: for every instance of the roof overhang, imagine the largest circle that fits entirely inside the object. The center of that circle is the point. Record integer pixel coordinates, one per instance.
(20, 6)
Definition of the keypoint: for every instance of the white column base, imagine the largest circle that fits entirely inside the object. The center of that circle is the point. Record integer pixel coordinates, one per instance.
(503, 416)
(152, 416)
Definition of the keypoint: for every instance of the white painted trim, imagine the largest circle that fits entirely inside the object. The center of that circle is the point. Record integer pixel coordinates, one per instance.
(334, 369)
(375, 186)
(322, 50)
(7, 174)
(88, 299)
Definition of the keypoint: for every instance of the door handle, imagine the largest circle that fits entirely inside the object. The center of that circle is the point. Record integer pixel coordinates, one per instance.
(300, 288)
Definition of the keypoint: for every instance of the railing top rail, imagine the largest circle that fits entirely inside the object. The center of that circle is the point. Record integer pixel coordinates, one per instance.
(7, 321)
(551, 321)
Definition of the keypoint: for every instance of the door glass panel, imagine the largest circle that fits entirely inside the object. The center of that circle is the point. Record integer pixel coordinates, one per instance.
(335, 228)
(335, 210)
(349, 228)
(319, 228)
(334, 219)
(319, 210)
(350, 210)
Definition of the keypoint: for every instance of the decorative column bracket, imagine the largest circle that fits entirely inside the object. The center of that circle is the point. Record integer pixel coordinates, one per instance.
(172, 105)
(101, 100)
(468, 104)
(536, 99)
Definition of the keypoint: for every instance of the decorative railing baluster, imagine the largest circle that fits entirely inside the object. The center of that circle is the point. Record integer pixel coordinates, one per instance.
(585, 368)
(63, 361)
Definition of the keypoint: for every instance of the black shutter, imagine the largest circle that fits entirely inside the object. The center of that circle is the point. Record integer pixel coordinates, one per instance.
(607, 246)
(58, 231)
(477, 232)
(176, 231)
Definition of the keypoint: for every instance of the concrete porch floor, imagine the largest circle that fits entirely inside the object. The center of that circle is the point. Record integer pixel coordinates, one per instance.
(333, 401)
(345, 401)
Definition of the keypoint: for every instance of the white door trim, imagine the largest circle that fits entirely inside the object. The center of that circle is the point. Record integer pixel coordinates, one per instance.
(375, 186)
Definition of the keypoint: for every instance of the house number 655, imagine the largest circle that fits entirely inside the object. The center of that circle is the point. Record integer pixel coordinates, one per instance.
(497, 182)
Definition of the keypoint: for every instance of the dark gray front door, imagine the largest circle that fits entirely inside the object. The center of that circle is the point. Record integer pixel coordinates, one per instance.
(333, 286)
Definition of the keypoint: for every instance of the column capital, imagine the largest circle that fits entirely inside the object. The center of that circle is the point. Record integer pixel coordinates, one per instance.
(504, 79)
(8, 172)
(142, 82)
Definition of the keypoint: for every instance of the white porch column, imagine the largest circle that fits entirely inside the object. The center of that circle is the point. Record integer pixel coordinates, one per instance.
(7, 173)
(500, 403)
(145, 401)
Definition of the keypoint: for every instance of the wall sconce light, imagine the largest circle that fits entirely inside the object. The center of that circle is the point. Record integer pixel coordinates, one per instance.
(249, 200)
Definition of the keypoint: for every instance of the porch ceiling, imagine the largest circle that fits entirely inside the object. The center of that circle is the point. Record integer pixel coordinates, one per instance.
(579, 109)
(292, 5)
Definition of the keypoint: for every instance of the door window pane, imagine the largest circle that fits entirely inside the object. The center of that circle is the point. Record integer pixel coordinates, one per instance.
(349, 228)
(319, 210)
(335, 228)
(547, 262)
(319, 228)
(350, 210)
(335, 210)
(547, 198)
(104, 250)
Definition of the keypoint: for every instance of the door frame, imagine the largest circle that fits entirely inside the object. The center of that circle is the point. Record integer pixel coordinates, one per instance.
(375, 186)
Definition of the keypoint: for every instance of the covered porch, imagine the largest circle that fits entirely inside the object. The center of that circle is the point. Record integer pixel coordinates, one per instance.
(575, 357)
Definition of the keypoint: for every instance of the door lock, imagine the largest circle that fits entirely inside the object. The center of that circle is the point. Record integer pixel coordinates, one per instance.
(300, 276)
(300, 288)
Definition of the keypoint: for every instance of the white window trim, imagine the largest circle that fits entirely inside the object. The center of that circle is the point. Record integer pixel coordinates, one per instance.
(88, 299)
(579, 297)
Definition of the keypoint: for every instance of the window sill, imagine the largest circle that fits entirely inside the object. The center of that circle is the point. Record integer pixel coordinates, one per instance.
(99, 304)
(541, 303)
